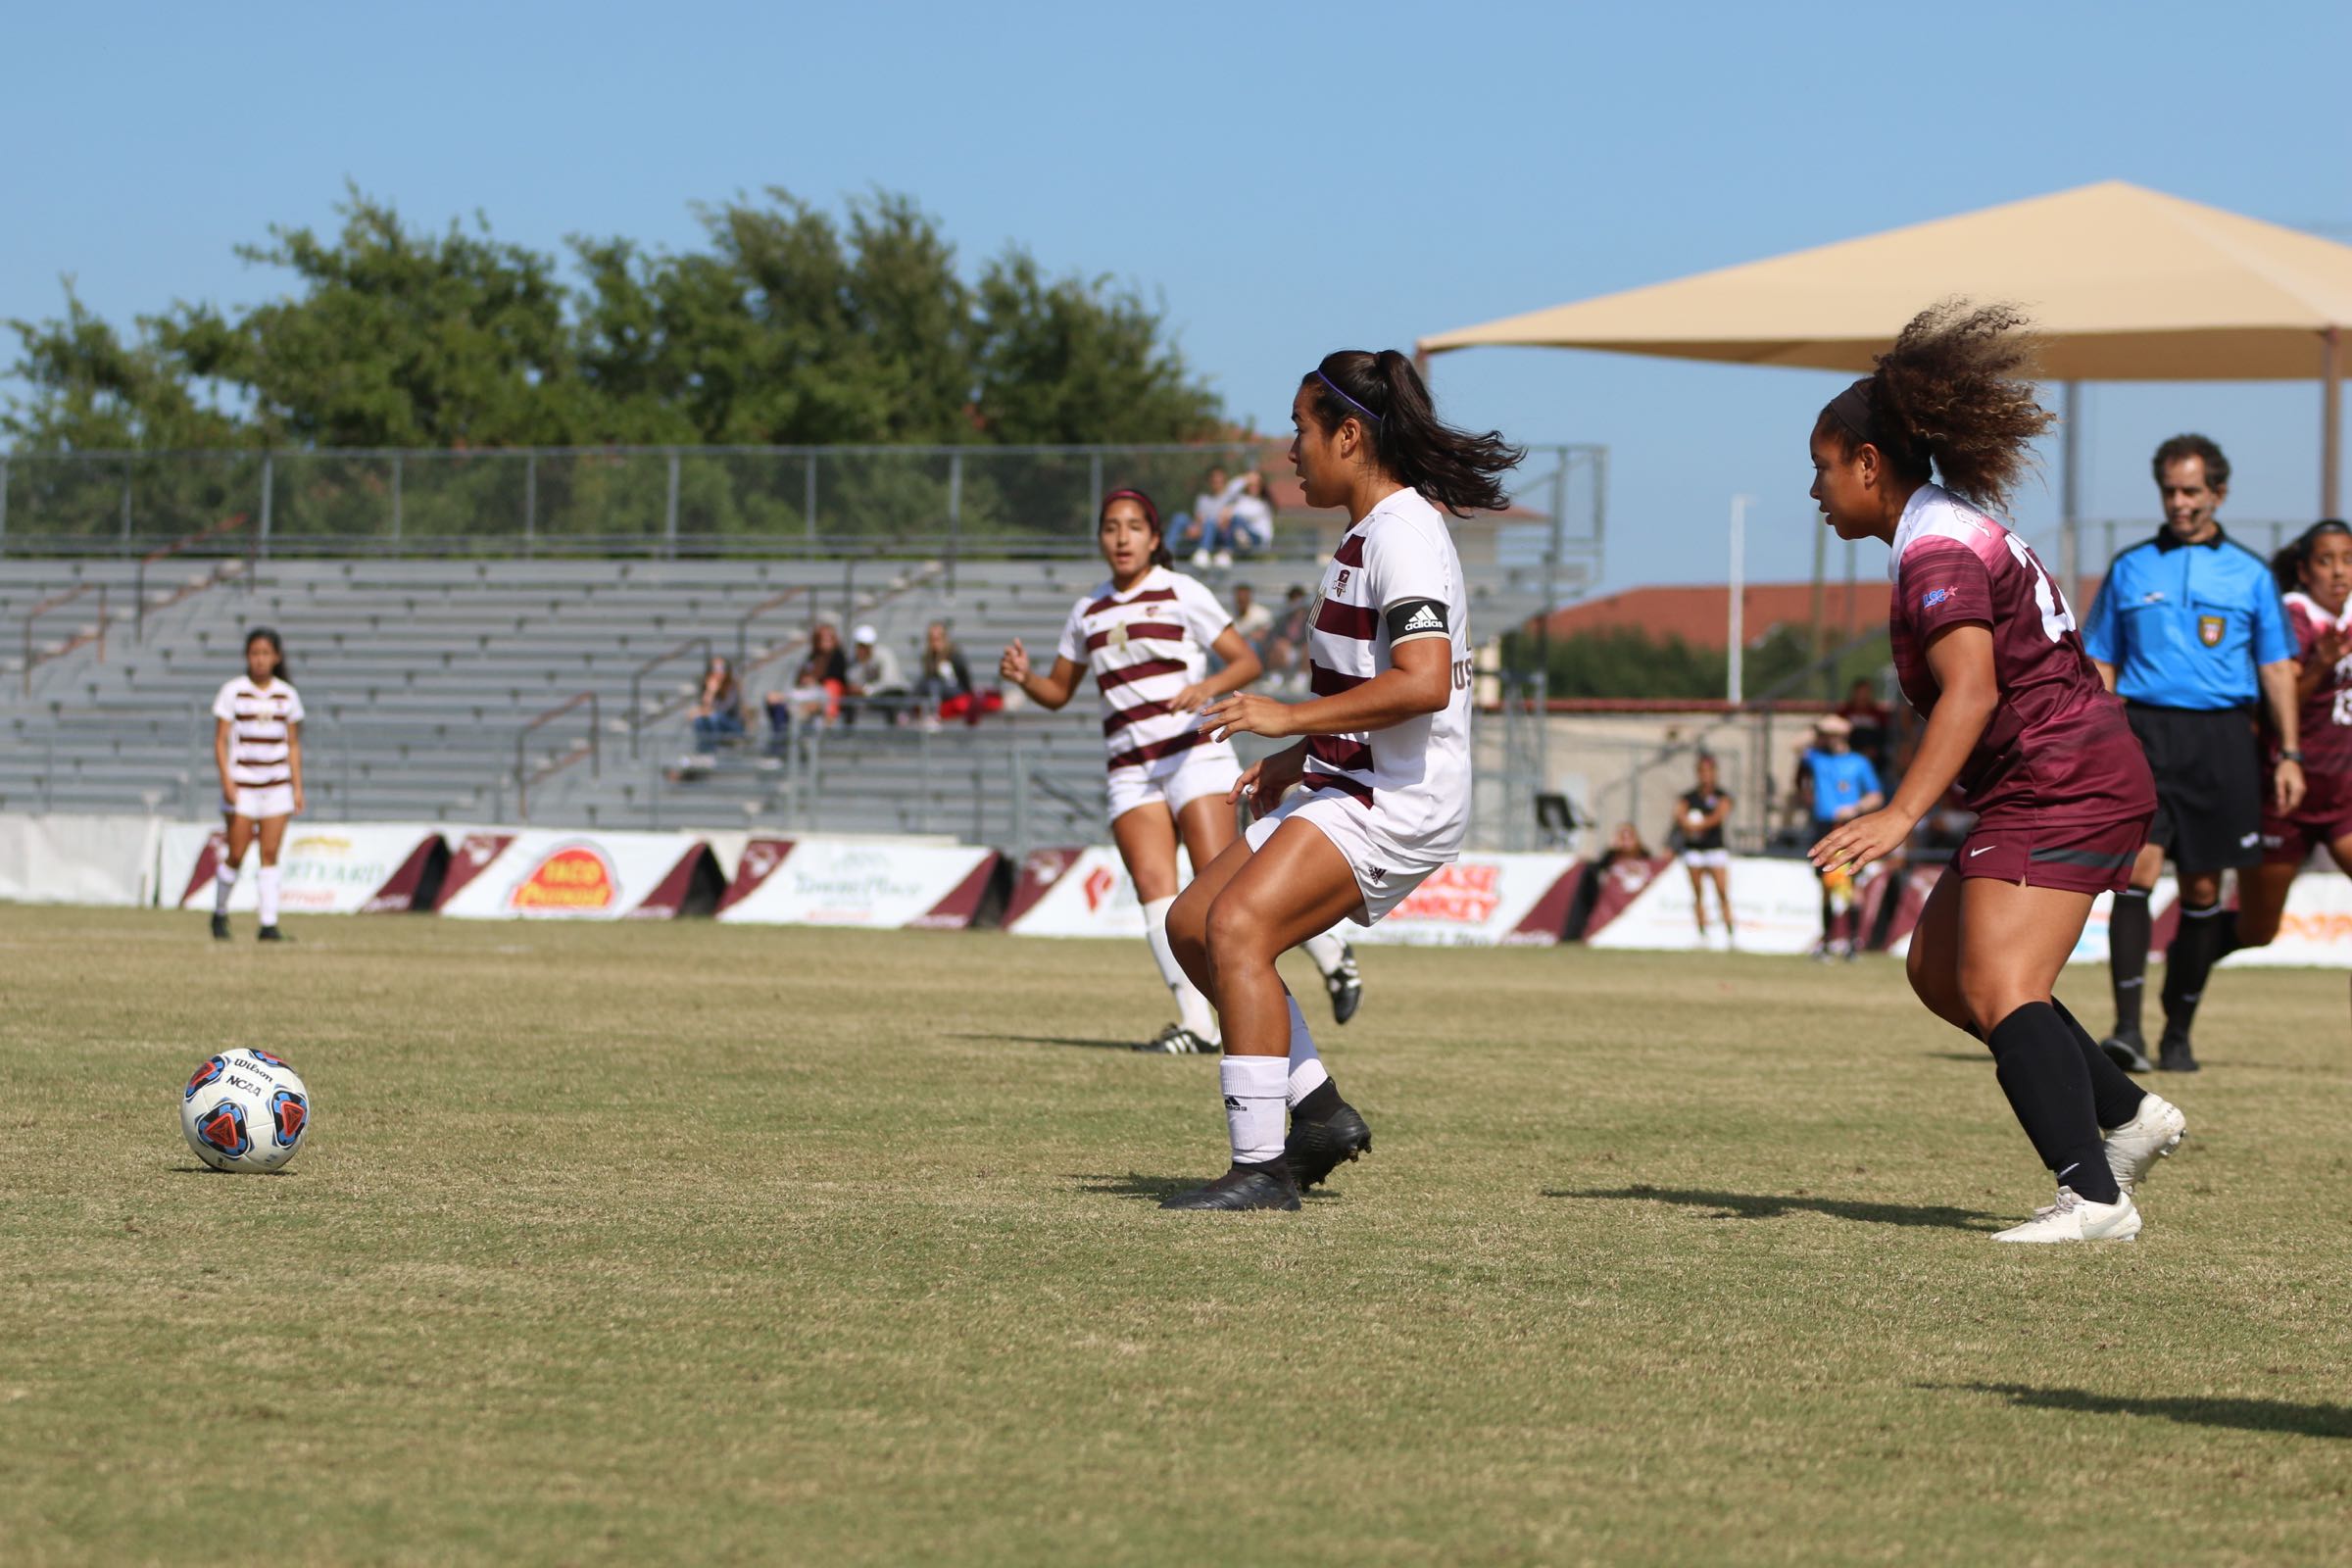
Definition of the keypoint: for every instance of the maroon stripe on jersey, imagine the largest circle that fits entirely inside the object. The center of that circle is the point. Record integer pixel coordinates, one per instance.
(1330, 682)
(1118, 718)
(1344, 784)
(261, 783)
(1134, 673)
(1157, 595)
(1350, 551)
(1139, 755)
(1140, 631)
(1358, 621)
(1354, 756)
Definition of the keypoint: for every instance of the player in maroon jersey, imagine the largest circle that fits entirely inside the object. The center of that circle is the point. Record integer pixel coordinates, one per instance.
(1986, 648)
(2315, 574)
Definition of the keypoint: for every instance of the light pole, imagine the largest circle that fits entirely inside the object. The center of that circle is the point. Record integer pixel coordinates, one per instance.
(1736, 637)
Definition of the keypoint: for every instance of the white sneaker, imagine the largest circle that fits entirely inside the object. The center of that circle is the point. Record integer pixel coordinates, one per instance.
(1199, 557)
(2075, 1218)
(2154, 1131)
(1223, 558)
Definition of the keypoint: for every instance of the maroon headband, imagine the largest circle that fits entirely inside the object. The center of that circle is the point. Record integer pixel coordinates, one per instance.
(1151, 512)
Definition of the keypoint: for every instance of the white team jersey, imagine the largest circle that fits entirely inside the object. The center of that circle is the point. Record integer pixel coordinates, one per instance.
(258, 751)
(1143, 647)
(1396, 578)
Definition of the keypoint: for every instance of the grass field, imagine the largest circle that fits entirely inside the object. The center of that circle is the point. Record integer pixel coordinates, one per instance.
(660, 1243)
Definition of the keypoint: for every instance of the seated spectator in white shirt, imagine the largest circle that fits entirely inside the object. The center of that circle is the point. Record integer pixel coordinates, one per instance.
(1201, 531)
(875, 684)
(1252, 619)
(1247, 524)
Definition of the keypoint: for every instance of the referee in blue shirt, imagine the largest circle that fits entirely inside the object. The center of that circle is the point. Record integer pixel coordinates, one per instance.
(2188, 630)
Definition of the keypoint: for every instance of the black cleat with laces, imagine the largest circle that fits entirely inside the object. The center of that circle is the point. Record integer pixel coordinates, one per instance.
(1266, 1185)
(1316, 1148)
(1178, 1041)
(220, 928)
(1346, 984)
(2127, 1048)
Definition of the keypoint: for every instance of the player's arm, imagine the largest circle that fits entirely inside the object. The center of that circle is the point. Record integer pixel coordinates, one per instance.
(1241, 667)
(1721, 815)
(228, 788)
(1960, 655)
(2282, 689)
(1048, 691)
(294, 758)
(1418, 681)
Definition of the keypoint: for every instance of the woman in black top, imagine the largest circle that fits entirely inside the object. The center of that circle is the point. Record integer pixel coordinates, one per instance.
(1704, 810)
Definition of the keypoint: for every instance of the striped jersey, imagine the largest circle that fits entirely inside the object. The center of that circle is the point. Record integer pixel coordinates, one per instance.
(259, 755)
(2326, 727)
(1143, 647)
(1395, 579)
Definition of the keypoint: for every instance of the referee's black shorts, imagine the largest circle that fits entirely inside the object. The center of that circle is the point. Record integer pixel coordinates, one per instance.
(2208, 767)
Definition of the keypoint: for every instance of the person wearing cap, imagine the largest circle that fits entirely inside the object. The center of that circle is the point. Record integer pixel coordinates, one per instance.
(2188, 630)
(1835, 784)
(875, 683)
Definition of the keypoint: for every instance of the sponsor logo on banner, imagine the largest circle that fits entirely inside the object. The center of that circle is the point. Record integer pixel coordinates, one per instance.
(573, 879)
(1099, 884)
(1466, 893)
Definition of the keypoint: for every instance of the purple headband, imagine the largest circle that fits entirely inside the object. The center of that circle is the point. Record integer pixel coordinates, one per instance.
(1345, 398)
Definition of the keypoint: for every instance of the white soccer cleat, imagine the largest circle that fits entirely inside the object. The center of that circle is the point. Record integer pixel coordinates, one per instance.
(2075, 1218)
(2154, 1131)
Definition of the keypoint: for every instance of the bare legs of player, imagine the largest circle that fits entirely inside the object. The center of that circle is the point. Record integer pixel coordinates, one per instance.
(242, 833)
(1147, 841)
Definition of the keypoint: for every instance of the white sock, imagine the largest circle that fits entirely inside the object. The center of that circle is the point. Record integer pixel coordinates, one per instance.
(265, 885)
(1192, 1007)
(224, 881)
(1306, 1074)
(1327, 949)
(1255, 1107)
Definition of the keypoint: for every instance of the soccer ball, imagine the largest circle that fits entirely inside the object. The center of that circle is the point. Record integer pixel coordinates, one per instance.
(245, 1109)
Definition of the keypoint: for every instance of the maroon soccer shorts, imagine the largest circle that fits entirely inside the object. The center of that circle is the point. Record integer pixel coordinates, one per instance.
(2080, 859)
(2325, 816)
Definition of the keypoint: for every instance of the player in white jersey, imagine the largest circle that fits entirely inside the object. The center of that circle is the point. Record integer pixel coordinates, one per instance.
(1378, 792)
(257, 744)
(1146, 636)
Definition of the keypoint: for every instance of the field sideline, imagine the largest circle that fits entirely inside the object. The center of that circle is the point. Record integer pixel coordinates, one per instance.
(682, 1243)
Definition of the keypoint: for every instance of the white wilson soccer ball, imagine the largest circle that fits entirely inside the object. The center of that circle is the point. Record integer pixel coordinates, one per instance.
(245, 1109)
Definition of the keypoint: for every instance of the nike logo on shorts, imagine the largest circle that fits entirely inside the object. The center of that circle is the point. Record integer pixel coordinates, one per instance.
(1973, 854)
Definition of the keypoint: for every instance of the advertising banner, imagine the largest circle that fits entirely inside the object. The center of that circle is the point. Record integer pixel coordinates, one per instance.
(551, 875)
(858, 882)
(325, 868)
(58, 859)
(2316, 929)
(1776, 904)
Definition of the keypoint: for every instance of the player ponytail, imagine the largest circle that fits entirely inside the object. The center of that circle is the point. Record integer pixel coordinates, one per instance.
(1160, 536)
(1953, 399)
(263, 634)
(2288, 564)
(1385, 395)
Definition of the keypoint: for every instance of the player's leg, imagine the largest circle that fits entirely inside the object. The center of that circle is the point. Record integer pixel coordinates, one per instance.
(1699, 897)
(1146, 836)
(224, 880)
(1296, 885)
(2130, 934)
(270, 832)
(1721, 873)
(2189, 962)
(2014, 940)
(2262, 899)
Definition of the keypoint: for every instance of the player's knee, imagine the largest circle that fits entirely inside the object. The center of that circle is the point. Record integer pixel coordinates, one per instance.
(1986, 1000)
(1235, 932)
(2258, 929)
(1187, 928)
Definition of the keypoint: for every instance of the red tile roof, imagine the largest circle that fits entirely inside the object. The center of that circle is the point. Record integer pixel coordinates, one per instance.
(1698, 614)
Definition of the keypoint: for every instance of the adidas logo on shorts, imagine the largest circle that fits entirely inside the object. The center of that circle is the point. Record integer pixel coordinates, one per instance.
(1425, 619)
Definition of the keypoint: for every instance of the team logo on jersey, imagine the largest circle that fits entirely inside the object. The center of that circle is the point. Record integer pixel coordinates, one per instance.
(1340, 583)
(209, 1071)
(289, 1114)
(1934, 597)
(2210, 629)
(224, 1128)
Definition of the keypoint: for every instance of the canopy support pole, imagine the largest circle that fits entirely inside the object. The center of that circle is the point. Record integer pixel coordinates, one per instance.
(2332, 423)
(2069, 489)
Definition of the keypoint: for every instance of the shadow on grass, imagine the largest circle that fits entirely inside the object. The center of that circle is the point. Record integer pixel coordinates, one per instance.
(1154, 1188)
(2246, 1416)
(1056, 1039)
(1764, 1205)
(1985, 1057)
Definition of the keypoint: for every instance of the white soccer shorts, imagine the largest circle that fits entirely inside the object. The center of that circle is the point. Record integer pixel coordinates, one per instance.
(1385, 873)
(258, 802)
(1176, 781)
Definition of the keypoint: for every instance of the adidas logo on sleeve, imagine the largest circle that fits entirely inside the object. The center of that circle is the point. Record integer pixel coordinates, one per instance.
(1416, 618)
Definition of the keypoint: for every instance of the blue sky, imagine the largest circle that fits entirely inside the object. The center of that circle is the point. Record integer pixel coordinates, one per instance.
(1287, 178)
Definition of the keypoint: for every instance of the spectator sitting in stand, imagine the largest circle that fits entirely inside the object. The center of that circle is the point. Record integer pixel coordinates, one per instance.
(874, 684)
(943, 682)
(1251, 619)
(815, 695)
(1286, 644)
(719, 707)
(1249, 522)
(1198, 530)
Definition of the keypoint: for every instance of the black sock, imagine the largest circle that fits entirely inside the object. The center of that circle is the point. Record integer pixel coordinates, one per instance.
(2187, 963)
(2128, 935)
(2113, 1094)
(2049, 1087)
(1320, 1102)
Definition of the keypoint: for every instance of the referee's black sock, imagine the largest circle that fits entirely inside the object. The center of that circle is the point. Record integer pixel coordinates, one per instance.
(2188, 962)
(2048, 1086)
(2128, 935)
(2113, 1094)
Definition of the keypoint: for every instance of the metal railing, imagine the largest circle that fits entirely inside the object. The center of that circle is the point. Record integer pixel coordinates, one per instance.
(217, 576)
(637, 713)
(525, 778)
(743, 624)
(59, 602)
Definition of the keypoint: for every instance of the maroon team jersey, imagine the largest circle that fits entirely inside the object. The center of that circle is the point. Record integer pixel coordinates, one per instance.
(2326, 727)
(2057, 748)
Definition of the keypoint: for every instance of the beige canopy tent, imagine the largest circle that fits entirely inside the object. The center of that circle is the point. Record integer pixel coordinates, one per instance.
(2126, 284)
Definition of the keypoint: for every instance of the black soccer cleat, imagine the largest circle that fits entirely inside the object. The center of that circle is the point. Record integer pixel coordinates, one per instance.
(1178, 1041)
(220, 928)
(2127, 1048)
(1316, 1148)
(271, 933)
(1345, 985)
(1266, 1185)
(2172, 1053)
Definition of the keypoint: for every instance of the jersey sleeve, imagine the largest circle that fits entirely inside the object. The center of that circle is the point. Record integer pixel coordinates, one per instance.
(1073, 635)
(1204, 617)
(1410, 582)
(2099, 639)
(2273, 639)
(1942, 584)
(224, 705)
(294, 710)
